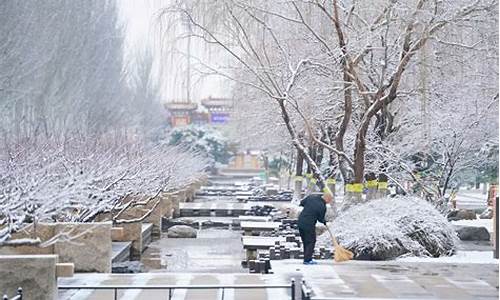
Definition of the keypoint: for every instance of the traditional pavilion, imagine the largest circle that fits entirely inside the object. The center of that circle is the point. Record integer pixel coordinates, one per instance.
(181, 113)
(219, 109)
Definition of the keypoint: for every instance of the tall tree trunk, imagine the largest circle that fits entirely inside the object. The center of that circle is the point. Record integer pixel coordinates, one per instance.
(298, 179)
(339, 137)
(299, 146)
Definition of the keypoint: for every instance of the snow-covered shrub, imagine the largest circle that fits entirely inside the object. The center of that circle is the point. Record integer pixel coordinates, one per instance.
(390, 227)
(204, 140)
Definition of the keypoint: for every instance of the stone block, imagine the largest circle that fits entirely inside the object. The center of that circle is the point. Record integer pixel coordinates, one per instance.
(44, 231)
(117, 234)
(65, 269)
(181, 231)
(133, 233)
(472, 233)
(138, 212)
(89, 247)
(35, 274)
(155, 219)
(166, 205)
(461, 214)
(175, 200)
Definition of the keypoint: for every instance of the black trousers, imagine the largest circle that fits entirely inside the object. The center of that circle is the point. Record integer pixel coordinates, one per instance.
(308, 237)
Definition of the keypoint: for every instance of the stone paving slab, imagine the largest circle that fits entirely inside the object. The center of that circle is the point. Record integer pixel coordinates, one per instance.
(172, 279)
(189, 209)
(259, 226)
(214, 250)
(260, 242)
(211, 205)
(255, 218)
(328, 280)
(395, 280)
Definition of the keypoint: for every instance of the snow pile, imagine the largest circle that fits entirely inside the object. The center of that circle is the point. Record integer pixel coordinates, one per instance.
(390, 227)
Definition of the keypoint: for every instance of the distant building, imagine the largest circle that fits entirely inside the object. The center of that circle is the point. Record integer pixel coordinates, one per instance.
(219, 109)
(181, 114)
(200, 118)
(246, 160)
(187, 113)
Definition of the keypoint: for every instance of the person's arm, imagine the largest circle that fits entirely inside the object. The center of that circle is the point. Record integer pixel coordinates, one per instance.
(322, 213)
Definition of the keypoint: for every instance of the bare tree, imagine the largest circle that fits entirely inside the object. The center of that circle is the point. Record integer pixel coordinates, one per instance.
(338, 72)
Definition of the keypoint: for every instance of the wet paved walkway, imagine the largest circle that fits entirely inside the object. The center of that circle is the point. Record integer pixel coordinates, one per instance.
(214, 250)
(351, 280)
(396, 280)
(214, 259)
(174, 279)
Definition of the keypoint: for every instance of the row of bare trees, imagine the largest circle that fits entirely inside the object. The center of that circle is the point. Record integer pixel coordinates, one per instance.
(363, 87)
(80, 127)
(73, 181)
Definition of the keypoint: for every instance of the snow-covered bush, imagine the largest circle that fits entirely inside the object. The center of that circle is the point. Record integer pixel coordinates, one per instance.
(390, 227)
(203, 139)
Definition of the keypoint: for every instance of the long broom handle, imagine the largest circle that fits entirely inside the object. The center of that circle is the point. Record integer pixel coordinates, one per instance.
(335, 243)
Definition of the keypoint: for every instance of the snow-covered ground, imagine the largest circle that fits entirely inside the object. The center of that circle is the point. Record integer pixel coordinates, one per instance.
(469, 257)
(488, 223)
(471, 199)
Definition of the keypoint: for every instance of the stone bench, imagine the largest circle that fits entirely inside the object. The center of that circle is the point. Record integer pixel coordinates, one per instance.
(251, 227)
(213, 209)
(237, 221)
(251, 244)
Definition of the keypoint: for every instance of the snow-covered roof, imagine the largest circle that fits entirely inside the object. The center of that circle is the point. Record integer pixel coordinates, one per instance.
(181, 106)
(221, 102)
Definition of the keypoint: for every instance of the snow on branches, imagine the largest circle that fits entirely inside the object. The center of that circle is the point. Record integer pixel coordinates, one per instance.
(362, 80)
(76, 180)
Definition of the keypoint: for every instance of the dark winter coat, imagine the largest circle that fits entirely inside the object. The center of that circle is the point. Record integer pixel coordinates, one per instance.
(314, 211)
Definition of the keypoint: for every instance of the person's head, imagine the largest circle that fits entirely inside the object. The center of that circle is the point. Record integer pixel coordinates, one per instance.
(327, 195)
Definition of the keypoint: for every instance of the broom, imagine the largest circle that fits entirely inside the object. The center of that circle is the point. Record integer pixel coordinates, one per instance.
(341, 253)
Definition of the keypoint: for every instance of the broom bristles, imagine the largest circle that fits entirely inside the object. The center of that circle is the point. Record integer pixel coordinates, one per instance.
(341, 253)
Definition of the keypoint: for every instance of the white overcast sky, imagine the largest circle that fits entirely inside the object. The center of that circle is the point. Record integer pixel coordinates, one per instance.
(140, 19)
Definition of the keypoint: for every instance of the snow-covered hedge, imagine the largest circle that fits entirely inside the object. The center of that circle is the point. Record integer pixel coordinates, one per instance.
(390, 227)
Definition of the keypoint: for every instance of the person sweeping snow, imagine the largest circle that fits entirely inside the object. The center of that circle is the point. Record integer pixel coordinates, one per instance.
(314, 211)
